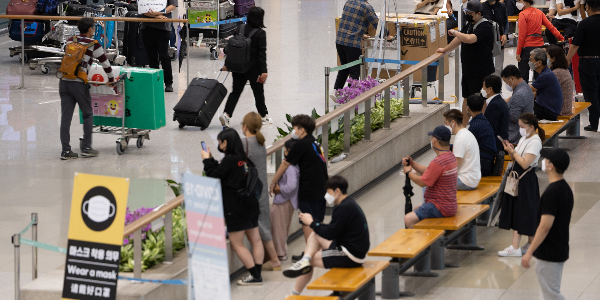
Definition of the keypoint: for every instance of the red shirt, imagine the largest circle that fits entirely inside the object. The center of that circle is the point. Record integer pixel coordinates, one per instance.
(440, 178)
(530, 22)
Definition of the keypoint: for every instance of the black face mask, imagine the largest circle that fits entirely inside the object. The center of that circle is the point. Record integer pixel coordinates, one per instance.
(220, 150)
(469, 18)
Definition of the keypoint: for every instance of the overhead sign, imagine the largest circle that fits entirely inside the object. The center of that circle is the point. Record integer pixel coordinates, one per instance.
(206, 234)
(145, 6)
(95, 237)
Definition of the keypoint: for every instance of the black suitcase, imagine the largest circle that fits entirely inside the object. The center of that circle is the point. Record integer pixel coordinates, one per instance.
(133, 46)
(200, 102)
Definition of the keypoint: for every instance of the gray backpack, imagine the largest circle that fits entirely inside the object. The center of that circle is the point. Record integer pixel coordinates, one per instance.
(497, 48)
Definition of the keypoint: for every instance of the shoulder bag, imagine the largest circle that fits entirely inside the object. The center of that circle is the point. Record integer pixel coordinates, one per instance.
(512, 182)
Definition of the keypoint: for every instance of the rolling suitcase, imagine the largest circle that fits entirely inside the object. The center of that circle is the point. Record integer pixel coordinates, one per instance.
(242, 7)
(225, 10)
(133, 44)
(200, 102)
(34, 31)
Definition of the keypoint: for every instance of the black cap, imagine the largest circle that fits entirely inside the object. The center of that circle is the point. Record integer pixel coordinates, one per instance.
(441, 133)
(474, 6)
(559, 158)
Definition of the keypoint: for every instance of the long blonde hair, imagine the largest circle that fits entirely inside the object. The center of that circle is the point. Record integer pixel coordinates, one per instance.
(253, 122)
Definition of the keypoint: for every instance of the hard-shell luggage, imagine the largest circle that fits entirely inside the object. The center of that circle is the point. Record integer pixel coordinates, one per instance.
(34, 31)
(225, 30)
(47, 7)
(21, 7)
(226, 10)
(200, 102)
(133, 46)
(242, 7)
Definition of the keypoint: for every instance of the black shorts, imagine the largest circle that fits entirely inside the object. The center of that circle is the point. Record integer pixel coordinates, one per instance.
(334, 257)
(471, 85)
(315, 208)
(244, 225)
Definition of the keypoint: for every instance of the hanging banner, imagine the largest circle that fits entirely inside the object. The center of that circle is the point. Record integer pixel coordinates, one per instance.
(145, 6)
(95, 237)
(206, 234)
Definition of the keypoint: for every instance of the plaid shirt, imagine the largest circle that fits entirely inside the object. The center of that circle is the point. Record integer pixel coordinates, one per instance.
(354, 22)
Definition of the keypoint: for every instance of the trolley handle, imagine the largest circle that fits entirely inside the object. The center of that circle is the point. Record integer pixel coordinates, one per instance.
(219, 75)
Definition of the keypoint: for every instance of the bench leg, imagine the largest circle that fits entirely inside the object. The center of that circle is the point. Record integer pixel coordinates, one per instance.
(437, 255)
(423, 267)
(390, 283)
(574, 131)
(469, 240)
(369, 292)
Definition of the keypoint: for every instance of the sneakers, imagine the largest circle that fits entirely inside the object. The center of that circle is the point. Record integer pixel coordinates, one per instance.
(268, 266)
(266, 120)
(525, 248)
(296, 258)
(89, 152)
(169, 88)
(510, 251)
(249, 280)
(65, 155)
(224, 118)
(300, 268)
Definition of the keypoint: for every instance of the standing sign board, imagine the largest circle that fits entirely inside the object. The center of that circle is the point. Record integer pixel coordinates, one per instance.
(95, 237)
(206, 234)
(202, 12)
(145, 6)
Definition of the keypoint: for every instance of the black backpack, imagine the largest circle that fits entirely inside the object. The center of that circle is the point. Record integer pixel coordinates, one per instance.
(238, 51)
(253, 189)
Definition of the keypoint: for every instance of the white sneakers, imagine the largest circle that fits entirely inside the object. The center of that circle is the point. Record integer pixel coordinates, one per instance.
(297, 269)
(266, 120)
(224, 118)
(510, 251)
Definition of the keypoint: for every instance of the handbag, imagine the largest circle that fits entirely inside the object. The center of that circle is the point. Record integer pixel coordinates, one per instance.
(512, 181)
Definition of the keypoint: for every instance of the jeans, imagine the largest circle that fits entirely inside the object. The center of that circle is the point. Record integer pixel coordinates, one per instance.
(549, 275)
(460, 186)
(239, 82)
(156, 42)
(71, 93)
(428, 210)
(347, 55)
(589, 77)
(524, 64)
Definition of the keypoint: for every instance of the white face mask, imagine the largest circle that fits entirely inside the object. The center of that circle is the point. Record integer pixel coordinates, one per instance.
(483, 93)
(329, 199)
(508, 87)
(449, 127)
(544, 165)
(294, 135)
(520, 5)
(532, 65)
(523, 132)
(98, 209)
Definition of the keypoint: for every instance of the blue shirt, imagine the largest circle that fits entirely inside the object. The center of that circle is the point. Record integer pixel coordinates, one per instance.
(549, 93)
(484, 134)
(355, 19)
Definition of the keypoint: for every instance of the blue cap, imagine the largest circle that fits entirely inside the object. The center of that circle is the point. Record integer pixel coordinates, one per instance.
(441, 133)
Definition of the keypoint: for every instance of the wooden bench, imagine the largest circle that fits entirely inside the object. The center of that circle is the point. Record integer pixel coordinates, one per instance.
(311, 298)
(353, 281)
(570, 123)
(407, 248)
(462, 225)
(485, 190)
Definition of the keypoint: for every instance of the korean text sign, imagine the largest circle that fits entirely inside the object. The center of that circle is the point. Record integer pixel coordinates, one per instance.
(145, 6)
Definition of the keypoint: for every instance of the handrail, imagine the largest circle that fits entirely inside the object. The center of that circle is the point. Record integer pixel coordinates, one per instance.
(361, 98)
(151, 216)
(72, 18)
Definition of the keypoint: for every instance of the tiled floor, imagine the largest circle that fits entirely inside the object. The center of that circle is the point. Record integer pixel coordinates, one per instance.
(301, 42)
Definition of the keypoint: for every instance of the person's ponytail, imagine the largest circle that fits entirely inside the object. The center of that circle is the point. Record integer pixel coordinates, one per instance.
(260, 138)
(253, 122)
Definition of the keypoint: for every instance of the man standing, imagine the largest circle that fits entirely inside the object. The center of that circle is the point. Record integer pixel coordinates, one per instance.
(586, 43)
(477, 39)
(549, 100)
(76, 91)
(551, 241)
(156, 41)
(495, 10)
(496, 110)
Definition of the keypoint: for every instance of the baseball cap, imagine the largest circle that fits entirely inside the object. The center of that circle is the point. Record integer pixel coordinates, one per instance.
(559, 158)
(441, 133)
(474, 6)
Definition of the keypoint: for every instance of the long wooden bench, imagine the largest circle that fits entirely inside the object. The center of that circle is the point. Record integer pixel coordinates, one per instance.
(485, 190)
(312, 298)
(462, 225)
(571, 124)
(407, 248)
(353, 282)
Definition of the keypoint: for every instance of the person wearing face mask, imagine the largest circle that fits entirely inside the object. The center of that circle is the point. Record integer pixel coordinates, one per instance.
(551, 241)
(557, 61)
(530, 34)
(465, 149)
(254, 145)
(484, 134)
(477, 40)
(343, 243)
(495, 109)
(241, 215)
(519, 103)
(520, 213)
(284, 204)
(495, 10)
(308, 155)
(439, 178)
(549, 100)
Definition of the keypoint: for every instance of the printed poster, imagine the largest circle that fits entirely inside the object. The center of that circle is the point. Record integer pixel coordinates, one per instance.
(206, 234)
(145, 6)
(95, 237)
(202, 12)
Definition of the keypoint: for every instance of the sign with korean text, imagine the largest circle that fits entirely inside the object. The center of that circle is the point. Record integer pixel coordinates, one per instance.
(206, 234)
(145, 6)
(414, 37)
(95, 237)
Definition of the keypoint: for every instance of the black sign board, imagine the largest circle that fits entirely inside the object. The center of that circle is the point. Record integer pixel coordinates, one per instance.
(414, 37)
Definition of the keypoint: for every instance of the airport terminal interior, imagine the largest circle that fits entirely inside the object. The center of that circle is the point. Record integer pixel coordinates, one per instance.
(301, 43)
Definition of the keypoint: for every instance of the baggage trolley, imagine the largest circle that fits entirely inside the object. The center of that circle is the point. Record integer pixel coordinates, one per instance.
(113, 105)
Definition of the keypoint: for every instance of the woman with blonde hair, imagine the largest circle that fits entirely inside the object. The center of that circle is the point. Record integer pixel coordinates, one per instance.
(254, 145)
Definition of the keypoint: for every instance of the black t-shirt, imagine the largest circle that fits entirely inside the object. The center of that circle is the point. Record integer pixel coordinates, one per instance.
(557, 200)
(587, 36)
(308, 156)
(477, 58)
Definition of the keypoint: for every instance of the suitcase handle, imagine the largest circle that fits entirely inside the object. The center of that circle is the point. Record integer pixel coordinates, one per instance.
(219, 75)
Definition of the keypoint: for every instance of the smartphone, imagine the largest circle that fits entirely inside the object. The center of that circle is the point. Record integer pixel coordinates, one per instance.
(500, 138)
(203, 145)
(408, 161)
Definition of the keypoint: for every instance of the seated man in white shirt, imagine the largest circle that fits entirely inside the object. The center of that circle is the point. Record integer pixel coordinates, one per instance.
(466, 151)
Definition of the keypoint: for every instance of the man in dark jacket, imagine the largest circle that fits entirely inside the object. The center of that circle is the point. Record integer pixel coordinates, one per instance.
(343, 243)
(496, 110)
(495, 10)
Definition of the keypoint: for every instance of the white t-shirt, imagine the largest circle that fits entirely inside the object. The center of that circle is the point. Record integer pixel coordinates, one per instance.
(569, 15)
(532, 145)
(467, 148)
(429, 7)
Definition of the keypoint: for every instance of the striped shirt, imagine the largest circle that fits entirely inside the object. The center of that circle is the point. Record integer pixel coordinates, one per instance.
(96, 52)
(440, 178)
(355, 19)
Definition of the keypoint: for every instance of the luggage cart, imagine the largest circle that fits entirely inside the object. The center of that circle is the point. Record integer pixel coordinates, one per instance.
(208, 12)
(110, 102)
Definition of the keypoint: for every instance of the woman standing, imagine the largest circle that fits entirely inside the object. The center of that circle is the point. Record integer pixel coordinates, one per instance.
(520, 213)
(254, 147)
(530, 34)
(241, 215)
(257, 75)
(557, 61)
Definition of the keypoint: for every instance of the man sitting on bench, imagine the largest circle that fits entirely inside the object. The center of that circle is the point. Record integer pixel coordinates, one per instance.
(439, 178)
(343, 243)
